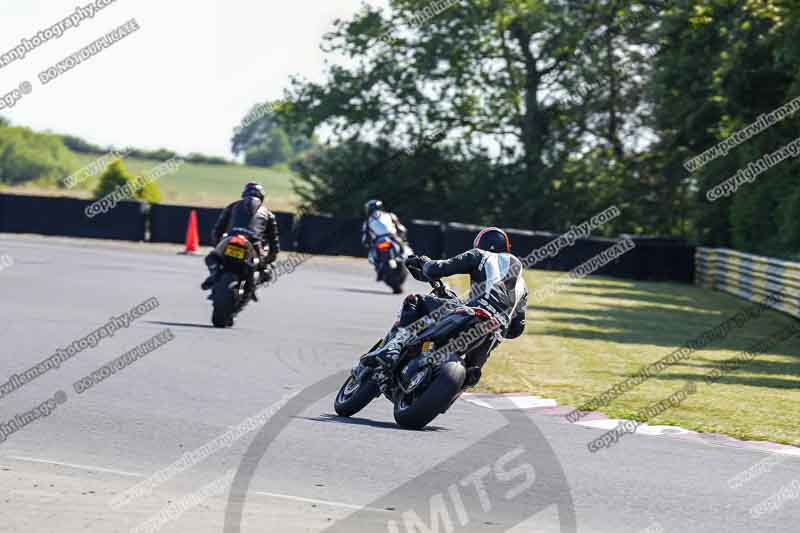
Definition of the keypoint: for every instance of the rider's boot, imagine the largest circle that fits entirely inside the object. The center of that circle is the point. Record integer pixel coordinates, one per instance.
(387, 354)
(212, 277)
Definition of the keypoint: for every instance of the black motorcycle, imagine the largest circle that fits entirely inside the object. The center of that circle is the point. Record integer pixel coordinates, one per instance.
(389, 257)
(237, 277)
(430, 373)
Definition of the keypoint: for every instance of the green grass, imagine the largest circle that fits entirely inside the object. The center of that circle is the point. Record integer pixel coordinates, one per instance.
(193, 184)
(599, 331)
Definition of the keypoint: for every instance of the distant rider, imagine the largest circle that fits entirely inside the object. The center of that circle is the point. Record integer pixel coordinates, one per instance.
(497, 286)
(250, 217)
(378, 224)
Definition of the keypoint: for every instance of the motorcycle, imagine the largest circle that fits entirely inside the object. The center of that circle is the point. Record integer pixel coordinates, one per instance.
(388, 258)
(429, 375)
(237, 276)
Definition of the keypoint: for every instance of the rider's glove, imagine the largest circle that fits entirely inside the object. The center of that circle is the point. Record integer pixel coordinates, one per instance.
(414, 264)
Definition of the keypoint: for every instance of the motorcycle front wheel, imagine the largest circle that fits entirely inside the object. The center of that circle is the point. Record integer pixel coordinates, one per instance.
(354, 396)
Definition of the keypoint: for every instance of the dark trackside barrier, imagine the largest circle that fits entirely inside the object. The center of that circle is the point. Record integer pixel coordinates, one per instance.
(326, 235)
(664, 259)
(426, 238)
(66, 217)
(168, 224)
(459, 237)
(652, 259)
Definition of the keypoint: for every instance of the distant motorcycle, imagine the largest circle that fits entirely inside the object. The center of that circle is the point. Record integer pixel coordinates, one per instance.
(428, 377)
(388, 258)
(237, 277)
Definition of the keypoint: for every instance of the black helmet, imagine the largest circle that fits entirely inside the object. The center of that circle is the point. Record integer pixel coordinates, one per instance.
(492, 240)
(372, 206)
(253, 189)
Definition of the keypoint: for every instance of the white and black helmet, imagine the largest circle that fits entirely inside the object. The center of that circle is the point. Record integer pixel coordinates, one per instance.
(372, 206)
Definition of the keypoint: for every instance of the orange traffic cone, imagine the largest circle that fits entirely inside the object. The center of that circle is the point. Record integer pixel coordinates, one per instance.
(192, 238)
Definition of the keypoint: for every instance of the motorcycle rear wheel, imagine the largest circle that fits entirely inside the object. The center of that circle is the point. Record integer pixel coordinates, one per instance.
(224, 301)
(418, 409)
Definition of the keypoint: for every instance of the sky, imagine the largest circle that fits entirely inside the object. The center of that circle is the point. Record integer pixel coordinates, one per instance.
(182, 81)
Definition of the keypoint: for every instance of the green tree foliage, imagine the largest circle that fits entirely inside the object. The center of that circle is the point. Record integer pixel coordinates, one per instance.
(117, 175)
(414, 183)
(29, 156)
(77, 144)
(275, 150)
(527, 85)
(150, 193)
(264, 141)
(566, 108)
(206, 159)
(746, 69)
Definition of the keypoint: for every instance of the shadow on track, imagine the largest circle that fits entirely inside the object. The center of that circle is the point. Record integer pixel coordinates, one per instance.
(180, 324)
(357, 421)
(369, 291)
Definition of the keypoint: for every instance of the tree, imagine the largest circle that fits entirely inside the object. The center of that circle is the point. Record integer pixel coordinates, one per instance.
(701, 99)
(575, 106)
(117, 176)
(261, 138)
(530, 79)
(275, 150)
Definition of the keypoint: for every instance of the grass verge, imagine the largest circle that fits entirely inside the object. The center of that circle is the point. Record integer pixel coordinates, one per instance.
(599, 331)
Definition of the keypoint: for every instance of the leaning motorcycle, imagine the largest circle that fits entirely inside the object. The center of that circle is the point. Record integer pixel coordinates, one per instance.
(236, 278)
(430, 372)
(388, 258)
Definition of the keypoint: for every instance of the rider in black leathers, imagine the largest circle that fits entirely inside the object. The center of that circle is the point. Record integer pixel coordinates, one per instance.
(497, 286)
(251, 216)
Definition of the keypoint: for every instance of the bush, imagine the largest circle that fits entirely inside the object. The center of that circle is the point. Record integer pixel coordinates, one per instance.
(155, 155)
(28, 156)
(117, 175)
(206, 159)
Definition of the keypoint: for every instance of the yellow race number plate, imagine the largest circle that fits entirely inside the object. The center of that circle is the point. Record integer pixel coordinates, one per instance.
(234, 251)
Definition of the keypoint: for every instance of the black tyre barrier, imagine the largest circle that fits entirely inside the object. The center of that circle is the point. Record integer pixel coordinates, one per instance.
(426, 238)
(326, 235)
(67, 217)
(664, 259)
(168, 224)
(458, 237)
(652, 259)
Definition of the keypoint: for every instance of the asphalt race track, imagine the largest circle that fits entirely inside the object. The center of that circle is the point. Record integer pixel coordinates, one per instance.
(306, 470)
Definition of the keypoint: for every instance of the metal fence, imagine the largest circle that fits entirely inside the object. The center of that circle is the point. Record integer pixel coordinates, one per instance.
(752, 277)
